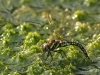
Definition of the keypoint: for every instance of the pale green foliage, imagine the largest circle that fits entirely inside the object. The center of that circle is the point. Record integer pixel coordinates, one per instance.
(26, 24)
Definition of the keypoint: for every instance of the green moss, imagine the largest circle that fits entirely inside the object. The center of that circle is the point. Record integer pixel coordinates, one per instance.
(8, 26)
(19, 58)
(24, 23)
(80, 15)
(31, 39)
(9, 33)
(14, 73)
(36, 49)
(6, 42)
(81, 28)
(91, 2)
(35, 69)
(69, 70)
(2, 67)
(7, 52)
(94, 48)
(1, 64)
(24, 28)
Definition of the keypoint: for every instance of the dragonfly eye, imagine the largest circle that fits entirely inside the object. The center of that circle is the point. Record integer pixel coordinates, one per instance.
(44, 47)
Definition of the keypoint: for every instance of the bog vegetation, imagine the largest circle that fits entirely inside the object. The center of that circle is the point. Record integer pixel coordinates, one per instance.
(25, 25)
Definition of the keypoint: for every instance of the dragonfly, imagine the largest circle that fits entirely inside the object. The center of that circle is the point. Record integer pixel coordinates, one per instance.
(53, 45)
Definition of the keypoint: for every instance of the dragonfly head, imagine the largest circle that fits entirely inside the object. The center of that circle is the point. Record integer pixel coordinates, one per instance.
(45, 47)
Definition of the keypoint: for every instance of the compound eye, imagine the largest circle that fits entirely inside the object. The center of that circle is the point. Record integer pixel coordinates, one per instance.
(44, 47)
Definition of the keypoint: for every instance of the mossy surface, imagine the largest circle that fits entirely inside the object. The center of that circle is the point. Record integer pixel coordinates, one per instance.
(27, 24)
